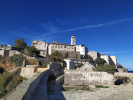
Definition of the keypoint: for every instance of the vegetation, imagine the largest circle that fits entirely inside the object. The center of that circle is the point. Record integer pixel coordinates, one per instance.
(17, 59)
(1, 70)
(89, 57)
(8, 81)
(101, 86)
(66, 55)
(100, 61)
(55, 57)
(76, 88)
(20, 43)
(31, 51)
(105, 68)
(119, 66)
(79, 65)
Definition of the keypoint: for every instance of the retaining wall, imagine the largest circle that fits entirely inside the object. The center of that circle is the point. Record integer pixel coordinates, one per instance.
(73, 77)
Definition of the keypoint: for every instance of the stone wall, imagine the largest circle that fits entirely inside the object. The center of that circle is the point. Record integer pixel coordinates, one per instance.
(71, 54)
(2, 53)
(26, 90)
(27, 72)
(75, 77)
(56, 68)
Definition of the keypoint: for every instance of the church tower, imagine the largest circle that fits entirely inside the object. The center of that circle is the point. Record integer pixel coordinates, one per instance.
(73, 40)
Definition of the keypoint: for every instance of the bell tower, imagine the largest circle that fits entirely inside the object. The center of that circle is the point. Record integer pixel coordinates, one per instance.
(73, 40)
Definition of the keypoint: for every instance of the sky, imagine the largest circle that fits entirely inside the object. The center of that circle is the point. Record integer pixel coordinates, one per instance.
(105, 26)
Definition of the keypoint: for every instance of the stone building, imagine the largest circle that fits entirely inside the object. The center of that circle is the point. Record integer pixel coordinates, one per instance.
(60, 47)
(82, 49)
(114, 59)
(94, 54)
(108, 59)
(6, 47)
(41, 46)
(73, 40)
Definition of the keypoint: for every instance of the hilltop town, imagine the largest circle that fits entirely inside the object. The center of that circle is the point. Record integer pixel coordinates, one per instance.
(67, 66)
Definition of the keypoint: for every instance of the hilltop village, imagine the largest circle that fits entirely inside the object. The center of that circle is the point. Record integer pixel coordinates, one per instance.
(59, 66)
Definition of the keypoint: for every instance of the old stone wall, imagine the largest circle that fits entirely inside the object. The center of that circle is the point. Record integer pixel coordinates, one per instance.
(56, 68)
(75, 77)
(27, 72)
(71, 54)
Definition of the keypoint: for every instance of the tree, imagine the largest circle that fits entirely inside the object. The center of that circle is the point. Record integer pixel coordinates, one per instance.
(89, 57)
(119, 66)
(1, 70)
(55, 57)
(31, 51)
(100, 61)
(17, 59)
(66, 55)
(20, 43)
(105, 68)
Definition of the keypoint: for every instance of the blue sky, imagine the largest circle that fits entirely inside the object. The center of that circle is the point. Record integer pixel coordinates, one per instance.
(105, 26)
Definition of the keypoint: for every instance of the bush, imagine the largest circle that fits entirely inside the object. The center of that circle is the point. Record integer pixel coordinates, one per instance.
(79, 65)
(105, 68)
(100, 61)
(31, 51)
(17, 59)
(9, 81)
(1, 70)
(119, 66)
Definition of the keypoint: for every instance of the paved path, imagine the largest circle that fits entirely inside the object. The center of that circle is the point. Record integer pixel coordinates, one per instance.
(123, 92)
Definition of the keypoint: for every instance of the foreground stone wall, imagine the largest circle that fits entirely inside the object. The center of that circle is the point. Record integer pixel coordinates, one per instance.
(75, 77)
(56, 68)
(26, 90)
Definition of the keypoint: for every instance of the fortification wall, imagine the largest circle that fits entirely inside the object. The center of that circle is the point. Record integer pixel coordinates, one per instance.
(56, 68)
(75, 77)
(27, 89)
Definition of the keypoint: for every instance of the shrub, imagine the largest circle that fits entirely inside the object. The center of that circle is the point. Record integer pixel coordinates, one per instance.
(79, 65)
(101, 86)
(17, 59)
(31, 51)
(105, 68)
(9, 81)
(100, 61)
(1, 70)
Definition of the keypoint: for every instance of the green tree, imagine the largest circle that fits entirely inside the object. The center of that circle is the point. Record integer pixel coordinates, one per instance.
(55, 57)
(100, 61)
(105, 68)
(119, 66)
(66, 55)
(31, 51)
(20, 43)
(1, 70)
(17, 59)
(89, 57)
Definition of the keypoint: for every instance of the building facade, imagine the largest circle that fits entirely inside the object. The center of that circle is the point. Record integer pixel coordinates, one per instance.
(94, 54)
(114, 59)
(108, 59)
(73, 40)
(82, 49)
(60, 47)
(39, 45)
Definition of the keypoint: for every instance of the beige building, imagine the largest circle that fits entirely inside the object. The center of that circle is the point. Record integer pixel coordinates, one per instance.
(60, 47)
(39, 45)
(108, 59)
(114, 59)
(94, 54)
